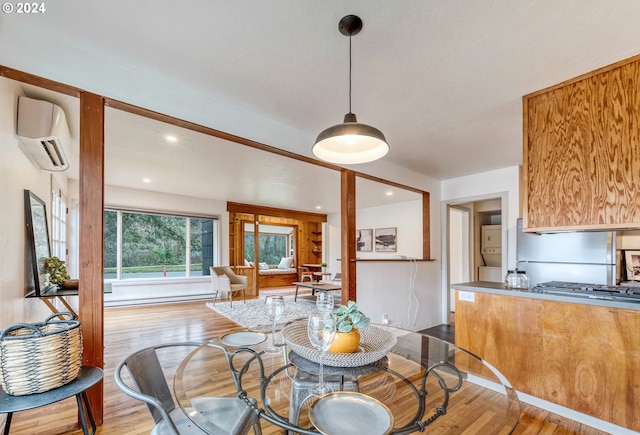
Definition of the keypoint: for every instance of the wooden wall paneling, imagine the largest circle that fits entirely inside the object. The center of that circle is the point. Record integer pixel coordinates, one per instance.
(306, 224)
(581, 165)
(489, 326)
(233, 239)
(348, 234)
(583, 357)
(91, 274)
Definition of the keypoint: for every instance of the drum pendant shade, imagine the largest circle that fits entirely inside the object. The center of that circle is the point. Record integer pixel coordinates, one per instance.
(350, 142)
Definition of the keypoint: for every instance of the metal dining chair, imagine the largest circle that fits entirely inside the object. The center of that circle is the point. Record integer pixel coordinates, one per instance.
(149, 380)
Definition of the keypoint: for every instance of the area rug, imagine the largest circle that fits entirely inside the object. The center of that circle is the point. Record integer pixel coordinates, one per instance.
(251, 314)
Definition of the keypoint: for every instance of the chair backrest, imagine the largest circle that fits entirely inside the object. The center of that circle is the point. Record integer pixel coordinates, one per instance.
(148, 375)
(226, 270)
(150, 380)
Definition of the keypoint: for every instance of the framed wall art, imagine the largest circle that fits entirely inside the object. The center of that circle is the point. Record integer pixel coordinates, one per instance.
(364, 240)
(385, 240)
(632, 262)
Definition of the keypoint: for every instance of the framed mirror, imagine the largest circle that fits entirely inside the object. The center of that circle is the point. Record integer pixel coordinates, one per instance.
(37, 244)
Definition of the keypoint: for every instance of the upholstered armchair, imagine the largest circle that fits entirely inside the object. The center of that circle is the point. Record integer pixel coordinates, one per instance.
(225, 281)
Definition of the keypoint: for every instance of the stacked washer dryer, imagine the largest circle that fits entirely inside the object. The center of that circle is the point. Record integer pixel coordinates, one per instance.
(491, 250)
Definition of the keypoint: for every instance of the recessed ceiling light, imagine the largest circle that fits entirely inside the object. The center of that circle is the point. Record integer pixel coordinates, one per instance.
(318, 207)
(171, 138)
(389, 193)
(146, 180)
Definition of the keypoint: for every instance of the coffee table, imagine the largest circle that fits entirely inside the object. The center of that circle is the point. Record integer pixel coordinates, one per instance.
(315, 286)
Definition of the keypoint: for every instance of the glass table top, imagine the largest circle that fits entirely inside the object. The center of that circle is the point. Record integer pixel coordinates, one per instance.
(423, 381)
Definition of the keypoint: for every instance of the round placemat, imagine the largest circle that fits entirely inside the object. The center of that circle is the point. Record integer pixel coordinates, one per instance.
(243, 338)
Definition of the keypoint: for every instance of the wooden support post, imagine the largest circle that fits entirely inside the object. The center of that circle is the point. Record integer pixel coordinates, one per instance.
(91, 281)
(348, 234)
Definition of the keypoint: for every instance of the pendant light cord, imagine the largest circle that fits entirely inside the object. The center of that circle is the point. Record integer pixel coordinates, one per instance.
(349, 72)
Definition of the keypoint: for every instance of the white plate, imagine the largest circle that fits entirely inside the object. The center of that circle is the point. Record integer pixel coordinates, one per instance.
(347, 413)
(243, 338)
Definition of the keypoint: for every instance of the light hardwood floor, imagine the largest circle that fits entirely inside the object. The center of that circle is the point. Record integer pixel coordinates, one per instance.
(129, 329)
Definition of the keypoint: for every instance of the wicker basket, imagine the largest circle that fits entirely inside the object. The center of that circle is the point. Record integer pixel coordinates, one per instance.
(38, 357)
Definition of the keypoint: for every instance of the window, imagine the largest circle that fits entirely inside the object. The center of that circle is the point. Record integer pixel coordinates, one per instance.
(148, 245)
(276, 242)
(58, 224)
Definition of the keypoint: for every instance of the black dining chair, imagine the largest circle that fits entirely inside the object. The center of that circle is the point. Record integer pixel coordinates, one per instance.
(148, 383)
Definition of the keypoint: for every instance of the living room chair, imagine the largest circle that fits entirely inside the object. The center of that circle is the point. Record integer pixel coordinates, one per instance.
(225, 281)
(305, 273)
(148, 383)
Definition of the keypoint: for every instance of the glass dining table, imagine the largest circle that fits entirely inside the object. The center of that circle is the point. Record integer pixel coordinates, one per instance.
(398, 382)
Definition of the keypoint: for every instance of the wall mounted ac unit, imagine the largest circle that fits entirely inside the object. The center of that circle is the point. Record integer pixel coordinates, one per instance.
(43, 133)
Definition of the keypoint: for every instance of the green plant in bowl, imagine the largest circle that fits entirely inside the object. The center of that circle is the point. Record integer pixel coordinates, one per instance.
(348, 317)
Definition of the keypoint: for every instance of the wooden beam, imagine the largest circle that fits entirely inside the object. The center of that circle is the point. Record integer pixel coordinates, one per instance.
(348, 234)
(426, 225)
(41, 82)
(91, 282)
(258, 210)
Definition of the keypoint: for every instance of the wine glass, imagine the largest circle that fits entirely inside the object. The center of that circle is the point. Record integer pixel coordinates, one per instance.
(324, 302)
(321, 330)
(273, 307)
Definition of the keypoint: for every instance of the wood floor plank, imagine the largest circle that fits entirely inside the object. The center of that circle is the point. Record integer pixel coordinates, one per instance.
(129, 329)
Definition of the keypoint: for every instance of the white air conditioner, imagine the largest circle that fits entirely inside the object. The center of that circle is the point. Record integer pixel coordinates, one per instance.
(43, 132)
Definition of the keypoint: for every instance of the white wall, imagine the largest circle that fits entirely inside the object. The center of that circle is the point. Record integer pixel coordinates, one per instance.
(407, 292)
(406, 217)
(490, 184)
(16, 174)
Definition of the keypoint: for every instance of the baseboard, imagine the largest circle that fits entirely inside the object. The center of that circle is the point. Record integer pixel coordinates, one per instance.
(589, 420)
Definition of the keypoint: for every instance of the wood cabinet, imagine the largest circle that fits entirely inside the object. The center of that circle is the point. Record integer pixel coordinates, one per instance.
(581, 155)
(583, 357)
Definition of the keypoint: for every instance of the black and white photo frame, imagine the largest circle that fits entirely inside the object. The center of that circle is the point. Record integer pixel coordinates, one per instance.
(386, 239)
(364, 240)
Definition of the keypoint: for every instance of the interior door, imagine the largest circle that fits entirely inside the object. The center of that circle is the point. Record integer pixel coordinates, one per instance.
(459, 252)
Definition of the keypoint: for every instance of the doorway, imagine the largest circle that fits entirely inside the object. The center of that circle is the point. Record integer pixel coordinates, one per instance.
(459, 249)
(462, 254)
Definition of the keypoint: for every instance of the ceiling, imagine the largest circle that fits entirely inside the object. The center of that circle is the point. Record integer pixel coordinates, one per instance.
(442, 79)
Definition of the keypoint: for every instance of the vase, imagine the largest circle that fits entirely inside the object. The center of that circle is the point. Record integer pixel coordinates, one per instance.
(346, 342)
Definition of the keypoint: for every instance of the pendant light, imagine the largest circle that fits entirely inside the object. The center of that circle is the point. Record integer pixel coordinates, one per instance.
(350, 142)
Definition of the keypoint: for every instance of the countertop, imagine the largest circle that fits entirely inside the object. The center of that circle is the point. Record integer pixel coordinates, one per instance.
(499, 289)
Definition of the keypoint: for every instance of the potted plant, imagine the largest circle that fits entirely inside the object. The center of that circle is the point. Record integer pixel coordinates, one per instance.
(56, 270)
(349, 320)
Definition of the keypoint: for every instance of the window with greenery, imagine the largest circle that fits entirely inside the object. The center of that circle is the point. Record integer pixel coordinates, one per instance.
(146, 245)
(274, 243)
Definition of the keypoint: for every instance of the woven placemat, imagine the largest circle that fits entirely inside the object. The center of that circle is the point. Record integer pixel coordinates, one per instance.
(374, 344)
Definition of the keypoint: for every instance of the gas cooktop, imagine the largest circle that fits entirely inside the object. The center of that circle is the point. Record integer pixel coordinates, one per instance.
(592, 291)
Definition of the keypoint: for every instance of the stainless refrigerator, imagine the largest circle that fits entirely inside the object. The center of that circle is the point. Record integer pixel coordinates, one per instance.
(579, 256)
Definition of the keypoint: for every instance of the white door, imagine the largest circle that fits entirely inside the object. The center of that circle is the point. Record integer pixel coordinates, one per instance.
(459, 254)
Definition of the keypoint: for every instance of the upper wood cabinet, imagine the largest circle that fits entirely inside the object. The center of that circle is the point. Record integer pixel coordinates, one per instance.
(581, 156)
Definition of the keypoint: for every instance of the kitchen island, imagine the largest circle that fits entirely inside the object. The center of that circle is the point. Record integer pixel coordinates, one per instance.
(583, 354)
